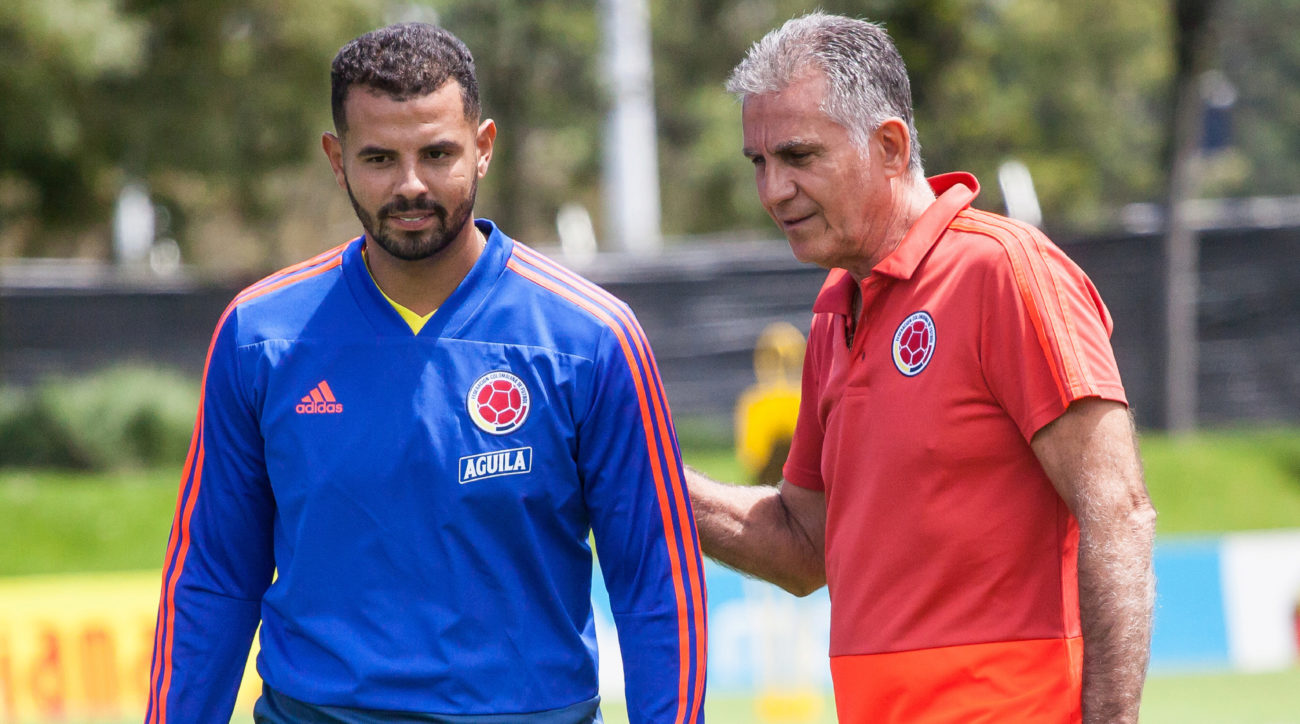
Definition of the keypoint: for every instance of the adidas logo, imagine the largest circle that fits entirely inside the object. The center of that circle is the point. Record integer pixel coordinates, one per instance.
(320, 401)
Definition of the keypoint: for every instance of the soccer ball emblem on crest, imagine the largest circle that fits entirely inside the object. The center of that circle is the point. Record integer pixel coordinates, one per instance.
(498, 402)
(914, 344)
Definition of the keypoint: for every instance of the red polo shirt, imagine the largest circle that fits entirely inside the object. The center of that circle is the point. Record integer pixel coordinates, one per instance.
(950, 558)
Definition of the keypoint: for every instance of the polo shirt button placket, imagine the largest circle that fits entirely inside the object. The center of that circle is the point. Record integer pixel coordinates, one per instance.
(869, 290)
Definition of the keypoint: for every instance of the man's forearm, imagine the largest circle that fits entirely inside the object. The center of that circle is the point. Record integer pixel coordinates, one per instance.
(1090, 453)
(1116, 598)
(756, 530)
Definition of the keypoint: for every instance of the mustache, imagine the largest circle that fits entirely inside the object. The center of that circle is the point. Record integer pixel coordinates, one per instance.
(402, 205)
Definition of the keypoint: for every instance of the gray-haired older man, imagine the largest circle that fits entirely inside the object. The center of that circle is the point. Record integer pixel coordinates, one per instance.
(964, 475)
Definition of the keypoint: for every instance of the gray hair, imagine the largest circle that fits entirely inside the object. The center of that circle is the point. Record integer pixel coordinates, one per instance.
(865, 76)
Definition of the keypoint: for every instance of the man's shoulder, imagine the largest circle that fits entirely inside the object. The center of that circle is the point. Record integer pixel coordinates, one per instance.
(294, 292)
(979, 238)
(994, 249)
(566, 296)
(995, 229)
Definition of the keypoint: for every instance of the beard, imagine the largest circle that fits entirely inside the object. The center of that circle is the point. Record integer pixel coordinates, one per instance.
(415, 245)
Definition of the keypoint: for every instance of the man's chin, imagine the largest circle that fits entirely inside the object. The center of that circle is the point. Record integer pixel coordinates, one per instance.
(410, 247)
(807, 250)
(801, 246)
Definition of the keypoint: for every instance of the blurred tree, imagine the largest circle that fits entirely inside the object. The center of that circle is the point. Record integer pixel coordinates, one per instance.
(231, 91)
(202, 99)
(218, 104)
(53, 53)
(1075, 90)
(539, 81)
(1260, 60)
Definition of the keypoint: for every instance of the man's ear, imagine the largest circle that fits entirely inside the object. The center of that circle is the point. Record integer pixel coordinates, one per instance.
(895, 145)
(487, 136)
(333, 147)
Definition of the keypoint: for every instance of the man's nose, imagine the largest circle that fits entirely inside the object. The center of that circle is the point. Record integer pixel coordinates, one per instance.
(775, 185)
(410, 184)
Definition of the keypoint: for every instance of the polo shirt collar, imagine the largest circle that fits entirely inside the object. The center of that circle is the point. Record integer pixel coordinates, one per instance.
(953, 192)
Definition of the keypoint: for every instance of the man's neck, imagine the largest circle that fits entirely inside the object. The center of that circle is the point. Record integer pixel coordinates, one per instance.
(423, 285)
(913, 197)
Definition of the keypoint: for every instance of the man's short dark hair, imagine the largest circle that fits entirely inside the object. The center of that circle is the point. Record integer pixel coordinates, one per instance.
(405, 61)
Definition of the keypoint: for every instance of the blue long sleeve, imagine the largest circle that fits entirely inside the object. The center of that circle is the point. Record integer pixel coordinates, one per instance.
(644, 531)
(219, 559)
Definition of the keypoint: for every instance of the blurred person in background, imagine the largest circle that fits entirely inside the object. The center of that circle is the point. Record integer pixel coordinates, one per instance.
(964, 475)
(403, 444)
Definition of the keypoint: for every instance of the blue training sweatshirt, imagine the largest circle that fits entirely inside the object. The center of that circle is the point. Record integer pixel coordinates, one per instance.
(407, 515)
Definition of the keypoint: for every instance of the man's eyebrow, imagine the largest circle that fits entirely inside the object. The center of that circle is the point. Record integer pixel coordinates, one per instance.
(792, 144)
(445, 146)
(372, 150)
(781, 148)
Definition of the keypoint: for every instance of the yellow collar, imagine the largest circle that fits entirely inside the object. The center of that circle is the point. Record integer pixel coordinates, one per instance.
(415, 321)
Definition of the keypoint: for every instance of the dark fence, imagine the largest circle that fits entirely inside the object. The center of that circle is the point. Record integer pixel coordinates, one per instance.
(703, 307)
(1248, 322)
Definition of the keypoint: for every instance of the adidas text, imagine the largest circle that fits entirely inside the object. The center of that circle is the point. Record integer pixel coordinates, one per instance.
(318, 408)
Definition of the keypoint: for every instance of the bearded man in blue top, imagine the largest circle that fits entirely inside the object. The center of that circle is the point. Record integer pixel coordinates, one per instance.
(404, 446)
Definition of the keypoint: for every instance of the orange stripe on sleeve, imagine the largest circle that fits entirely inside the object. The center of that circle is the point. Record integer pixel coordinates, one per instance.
(669, 524)
(1026, 295)
(175, 577)
(1076, 376)
(695, 567)
(156, 663)
(662, 420)
(179, 541)
(291, 270)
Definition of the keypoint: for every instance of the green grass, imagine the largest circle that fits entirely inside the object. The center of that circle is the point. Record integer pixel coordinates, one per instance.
(1272, 698)
(1224, 481)
(56, 522)
(62, 522)
(1269, 698)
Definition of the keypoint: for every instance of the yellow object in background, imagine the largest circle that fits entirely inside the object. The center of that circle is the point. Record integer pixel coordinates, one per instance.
(76, 648)
(790, 706)
(766, 412)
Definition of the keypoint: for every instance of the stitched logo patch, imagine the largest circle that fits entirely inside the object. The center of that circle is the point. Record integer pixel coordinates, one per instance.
(498, 402)
(914, 343)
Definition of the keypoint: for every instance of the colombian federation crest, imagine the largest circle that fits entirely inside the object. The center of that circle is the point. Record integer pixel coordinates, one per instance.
(914, 343)
(498, 402)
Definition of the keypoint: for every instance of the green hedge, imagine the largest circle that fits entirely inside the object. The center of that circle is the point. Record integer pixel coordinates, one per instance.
(121, 418)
